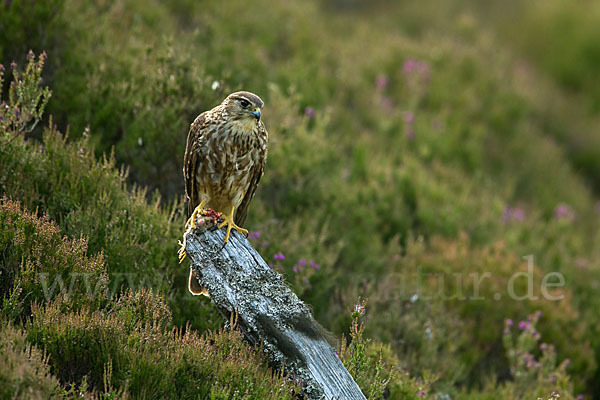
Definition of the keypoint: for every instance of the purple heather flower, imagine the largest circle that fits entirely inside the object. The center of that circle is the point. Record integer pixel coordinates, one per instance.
(513, 214)
(523, 325)
(302, 262)
(309, 112)
(506, 331)
(387, 104)
(518, 214)
(30, 55)
(507, 214)
(254, 235)
(315, 266)
(13, 65)
(1, 68)
(409, 119)
(580, 397)
(382, 82)
(295, 268)
(409, 66)
(279, 256)
(508, 322)
(532, 363)
(265, 244)
(563, 211)
(416, 67)
(543, 346)
(421, 393)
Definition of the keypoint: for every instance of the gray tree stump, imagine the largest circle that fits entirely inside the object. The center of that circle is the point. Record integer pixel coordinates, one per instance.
(268, 313)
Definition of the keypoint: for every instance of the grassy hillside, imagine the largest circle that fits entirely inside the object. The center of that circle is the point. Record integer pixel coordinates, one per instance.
(420, 156)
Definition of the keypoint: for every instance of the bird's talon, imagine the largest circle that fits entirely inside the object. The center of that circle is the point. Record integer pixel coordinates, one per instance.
(228, 221)
(191, 222)
(181, 252)
(190, 225)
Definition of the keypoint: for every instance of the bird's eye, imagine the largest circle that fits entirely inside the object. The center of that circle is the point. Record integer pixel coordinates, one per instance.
(245, 103)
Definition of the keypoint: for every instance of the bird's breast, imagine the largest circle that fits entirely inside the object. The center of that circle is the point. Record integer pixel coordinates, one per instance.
(230, 158)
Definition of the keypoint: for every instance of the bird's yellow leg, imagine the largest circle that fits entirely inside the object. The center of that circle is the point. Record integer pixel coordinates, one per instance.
(190, 224)
(192, 220)
(228, 220)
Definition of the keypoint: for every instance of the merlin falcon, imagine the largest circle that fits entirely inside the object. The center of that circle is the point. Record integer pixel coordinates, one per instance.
(224, 160)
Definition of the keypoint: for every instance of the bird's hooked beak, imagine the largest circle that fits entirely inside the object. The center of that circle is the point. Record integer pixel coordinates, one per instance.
(256, 113)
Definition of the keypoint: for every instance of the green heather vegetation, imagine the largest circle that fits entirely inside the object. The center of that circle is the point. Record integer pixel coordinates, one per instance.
(421, 154)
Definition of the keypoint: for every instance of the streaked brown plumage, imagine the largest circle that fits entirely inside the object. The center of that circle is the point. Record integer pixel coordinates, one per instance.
(224, 160)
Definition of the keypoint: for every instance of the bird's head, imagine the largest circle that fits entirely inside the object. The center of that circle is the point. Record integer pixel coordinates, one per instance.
(244, 107)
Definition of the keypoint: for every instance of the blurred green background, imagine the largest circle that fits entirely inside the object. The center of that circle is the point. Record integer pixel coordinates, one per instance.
(441, 138)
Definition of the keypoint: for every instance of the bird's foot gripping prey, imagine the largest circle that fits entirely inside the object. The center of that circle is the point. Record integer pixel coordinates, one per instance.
(228, 221)
(192, 223)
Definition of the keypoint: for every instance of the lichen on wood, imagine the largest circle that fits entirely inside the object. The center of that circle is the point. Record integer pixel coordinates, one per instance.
(268, 312)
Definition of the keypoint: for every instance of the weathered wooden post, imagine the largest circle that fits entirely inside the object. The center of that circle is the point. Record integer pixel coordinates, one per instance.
(268, 313)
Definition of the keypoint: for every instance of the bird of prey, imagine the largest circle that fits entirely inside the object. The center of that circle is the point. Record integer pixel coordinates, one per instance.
(224, 160)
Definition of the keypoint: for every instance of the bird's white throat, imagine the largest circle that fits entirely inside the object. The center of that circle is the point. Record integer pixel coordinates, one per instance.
(245, 126)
